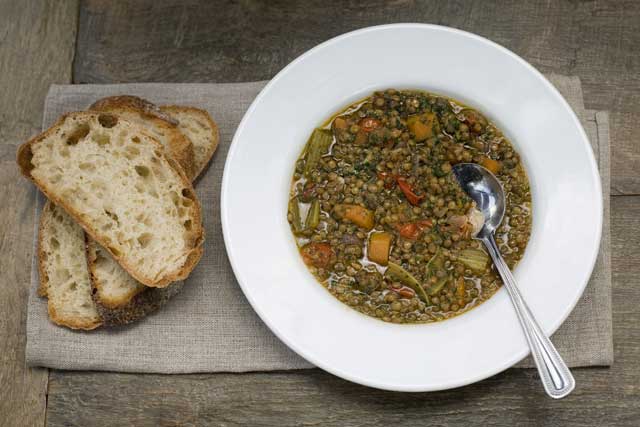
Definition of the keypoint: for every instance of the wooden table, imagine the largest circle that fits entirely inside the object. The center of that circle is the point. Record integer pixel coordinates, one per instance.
(45, 42)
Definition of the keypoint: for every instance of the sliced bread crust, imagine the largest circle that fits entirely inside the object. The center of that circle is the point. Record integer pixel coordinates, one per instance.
(46, 158)
(161, 126)
(118, 297)
(200, 128)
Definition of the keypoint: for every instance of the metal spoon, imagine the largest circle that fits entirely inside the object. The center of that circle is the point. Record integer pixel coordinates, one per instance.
(485, 189)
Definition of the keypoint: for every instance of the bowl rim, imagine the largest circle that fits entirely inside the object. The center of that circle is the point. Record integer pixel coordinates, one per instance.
(225, 189)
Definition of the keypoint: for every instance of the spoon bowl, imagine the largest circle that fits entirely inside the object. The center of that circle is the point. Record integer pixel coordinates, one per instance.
(484, 189)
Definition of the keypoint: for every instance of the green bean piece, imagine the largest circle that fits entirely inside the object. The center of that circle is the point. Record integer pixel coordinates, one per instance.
(294, 210)
(437, 287)
(395, 272)
(313, 216)
(436, 263)
(475, 259)
(316, 147)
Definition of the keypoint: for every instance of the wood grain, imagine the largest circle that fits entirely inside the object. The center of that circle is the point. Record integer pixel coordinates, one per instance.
(251, 40)
(36, 49)
(625, 153)
(603, 396)
(220, 41)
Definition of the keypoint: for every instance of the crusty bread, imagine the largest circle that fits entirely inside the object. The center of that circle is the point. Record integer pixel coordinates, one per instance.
(162, 127)
(119, 297)
(115, 180)
(64, 276)
(154, 121)
(200, 128)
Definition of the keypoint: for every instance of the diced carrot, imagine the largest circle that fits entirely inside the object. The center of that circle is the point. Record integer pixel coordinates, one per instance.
(421, 125)
(492, 165)
(339, 123)
(360, 216)
(379, 247)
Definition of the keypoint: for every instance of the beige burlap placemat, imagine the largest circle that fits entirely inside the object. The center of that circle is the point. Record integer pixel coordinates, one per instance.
(210, 326)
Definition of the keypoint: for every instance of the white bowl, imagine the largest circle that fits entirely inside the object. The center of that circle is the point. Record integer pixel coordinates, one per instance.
(565, 186)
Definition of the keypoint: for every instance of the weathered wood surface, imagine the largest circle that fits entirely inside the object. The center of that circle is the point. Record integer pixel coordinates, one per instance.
(36, 49)
(250, 40)
(625, 151)
(603, 397)
(218, 41)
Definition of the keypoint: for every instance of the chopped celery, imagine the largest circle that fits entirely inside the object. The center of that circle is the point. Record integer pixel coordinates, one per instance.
(294, 210)
(475, 259)
(316, 147)
(313, 216)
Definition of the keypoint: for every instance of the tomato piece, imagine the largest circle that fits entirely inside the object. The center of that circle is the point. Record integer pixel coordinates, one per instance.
(368, 124)
(412, 230)
(404, 292)
(319, 255)
(389, 179)
(409, 231)
(406, 188)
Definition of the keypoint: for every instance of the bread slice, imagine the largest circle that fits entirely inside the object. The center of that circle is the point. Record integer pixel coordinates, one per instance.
(116, 181)
(119, 298)
(161, 126)
(201, 130)
(64, 276)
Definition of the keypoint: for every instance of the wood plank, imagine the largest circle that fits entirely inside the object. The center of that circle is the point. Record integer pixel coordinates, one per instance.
(243, 41)
(36, 49)
(195, 42)
(602, 397)
(625, 153)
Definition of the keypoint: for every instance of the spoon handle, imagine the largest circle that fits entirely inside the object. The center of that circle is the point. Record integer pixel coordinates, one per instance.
(556, 377)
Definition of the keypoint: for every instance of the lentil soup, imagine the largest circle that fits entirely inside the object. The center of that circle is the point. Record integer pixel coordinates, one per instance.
(379, 218)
